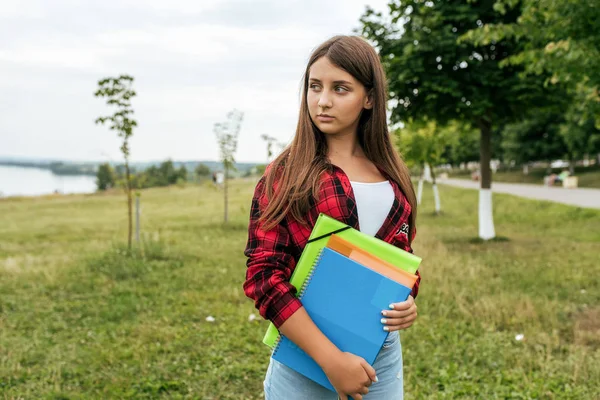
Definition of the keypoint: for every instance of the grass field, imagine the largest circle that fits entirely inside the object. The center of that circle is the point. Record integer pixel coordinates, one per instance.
(81, 318)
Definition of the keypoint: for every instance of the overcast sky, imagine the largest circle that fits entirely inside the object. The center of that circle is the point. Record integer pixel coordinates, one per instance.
(193, 61)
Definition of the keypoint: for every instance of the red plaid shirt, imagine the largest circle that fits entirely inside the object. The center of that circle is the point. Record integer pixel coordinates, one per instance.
(272, 255)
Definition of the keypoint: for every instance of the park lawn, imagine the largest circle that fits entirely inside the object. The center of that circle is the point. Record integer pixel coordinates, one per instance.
(588, 177)
(80, 317)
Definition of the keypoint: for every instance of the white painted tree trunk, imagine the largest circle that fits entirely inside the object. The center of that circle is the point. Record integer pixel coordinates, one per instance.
(525, 169)
(436, 196)
(427, 173)
(420, 190)
(486, 220)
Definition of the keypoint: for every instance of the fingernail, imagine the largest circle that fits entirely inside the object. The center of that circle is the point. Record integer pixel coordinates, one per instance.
(376, 380)
(392, 306)
(384, 313)
(385, 328)
(383, 321)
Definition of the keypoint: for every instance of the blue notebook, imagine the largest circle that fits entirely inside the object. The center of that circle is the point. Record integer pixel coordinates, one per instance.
(345, 300)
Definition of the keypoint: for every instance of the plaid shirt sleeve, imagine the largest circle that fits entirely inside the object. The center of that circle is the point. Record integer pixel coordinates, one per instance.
(269, 265)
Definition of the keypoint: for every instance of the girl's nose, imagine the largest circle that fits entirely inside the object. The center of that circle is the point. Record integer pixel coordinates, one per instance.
(324, 102)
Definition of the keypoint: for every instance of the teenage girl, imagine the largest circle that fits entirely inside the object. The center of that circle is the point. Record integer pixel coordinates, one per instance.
(341, 162)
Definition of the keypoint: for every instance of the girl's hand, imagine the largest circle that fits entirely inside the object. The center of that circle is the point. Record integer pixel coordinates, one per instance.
(350, 375)
(401, 317)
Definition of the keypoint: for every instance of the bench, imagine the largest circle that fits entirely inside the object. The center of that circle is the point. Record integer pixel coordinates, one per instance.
(570, 182)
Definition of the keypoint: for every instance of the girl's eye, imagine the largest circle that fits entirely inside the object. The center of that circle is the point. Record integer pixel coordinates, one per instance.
(341, 89)
(314, 86)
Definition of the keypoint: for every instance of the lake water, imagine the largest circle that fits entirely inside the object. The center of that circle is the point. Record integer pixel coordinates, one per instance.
(19, 181)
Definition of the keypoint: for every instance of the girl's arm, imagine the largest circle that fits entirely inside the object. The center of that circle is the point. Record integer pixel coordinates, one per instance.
(270, 266)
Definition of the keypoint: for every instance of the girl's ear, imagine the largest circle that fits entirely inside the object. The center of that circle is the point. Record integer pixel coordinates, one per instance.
(369, 100)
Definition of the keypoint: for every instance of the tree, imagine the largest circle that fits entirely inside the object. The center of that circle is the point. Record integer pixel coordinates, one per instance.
(533, 139)
(227, 136)
(119, 93)
(202, 171)
(422, 143)
(463, 146)
(105, 177)
(270, 142)
(560, 38)
(167, 173)
(434, 75)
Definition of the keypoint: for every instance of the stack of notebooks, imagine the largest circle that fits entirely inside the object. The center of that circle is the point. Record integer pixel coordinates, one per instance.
(345, 278)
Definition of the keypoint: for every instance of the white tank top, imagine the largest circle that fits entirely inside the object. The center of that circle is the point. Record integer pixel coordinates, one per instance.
(373, 202)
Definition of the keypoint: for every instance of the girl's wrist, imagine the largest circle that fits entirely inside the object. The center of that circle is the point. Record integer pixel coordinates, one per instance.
(328, 358)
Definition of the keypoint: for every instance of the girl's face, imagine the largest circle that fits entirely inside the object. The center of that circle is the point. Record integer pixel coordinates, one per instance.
(335, 99)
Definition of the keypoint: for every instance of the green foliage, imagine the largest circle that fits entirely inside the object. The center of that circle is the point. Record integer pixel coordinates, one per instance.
(202, 171)
(435, 75)
(533, 139)
(260, 169)
(560, 40)
(464, 144)
(423, 142)
(105, 177)
(164, 175)
(119, 93)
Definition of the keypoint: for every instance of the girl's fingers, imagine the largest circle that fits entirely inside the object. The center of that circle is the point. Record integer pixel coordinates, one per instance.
(403, 305)
(399, 321)
(399, 327)
(399, 314)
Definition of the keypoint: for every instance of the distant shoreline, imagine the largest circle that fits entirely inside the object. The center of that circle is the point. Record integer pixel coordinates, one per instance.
(90, 167)
(57, 168)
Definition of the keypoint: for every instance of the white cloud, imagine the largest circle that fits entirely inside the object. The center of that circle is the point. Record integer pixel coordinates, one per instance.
(193, 62)
(22, 9)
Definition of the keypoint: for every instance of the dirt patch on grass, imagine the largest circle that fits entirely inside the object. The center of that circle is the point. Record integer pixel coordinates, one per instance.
(587, 327)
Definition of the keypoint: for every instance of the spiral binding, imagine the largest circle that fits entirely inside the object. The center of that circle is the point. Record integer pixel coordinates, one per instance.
(301, 293)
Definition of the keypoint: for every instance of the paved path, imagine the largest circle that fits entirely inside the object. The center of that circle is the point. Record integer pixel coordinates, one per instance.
(582, 197)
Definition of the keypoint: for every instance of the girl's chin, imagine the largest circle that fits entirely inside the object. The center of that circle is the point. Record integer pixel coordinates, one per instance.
(328, 129)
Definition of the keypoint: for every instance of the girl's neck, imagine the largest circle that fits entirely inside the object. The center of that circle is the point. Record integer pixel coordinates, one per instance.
(343, 147)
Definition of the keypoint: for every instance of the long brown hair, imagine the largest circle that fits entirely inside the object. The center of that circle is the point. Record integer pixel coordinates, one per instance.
(297, 170)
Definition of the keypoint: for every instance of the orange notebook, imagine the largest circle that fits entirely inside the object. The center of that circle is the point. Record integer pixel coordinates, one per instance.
(370, 261)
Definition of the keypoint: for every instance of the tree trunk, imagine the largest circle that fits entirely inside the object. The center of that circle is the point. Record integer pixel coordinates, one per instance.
(486, 219)
(420, 186)
(436, 194)
(427, 173)
(571, 165)
(225, 190)
(129, 204)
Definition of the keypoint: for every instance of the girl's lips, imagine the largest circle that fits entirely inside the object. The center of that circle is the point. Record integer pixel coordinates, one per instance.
(325, 118)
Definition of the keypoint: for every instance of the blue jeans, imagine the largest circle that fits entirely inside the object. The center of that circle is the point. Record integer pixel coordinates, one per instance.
(283, 383)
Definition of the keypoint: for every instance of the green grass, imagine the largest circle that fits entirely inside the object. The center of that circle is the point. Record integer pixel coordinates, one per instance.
(81, 317)
(587, 176)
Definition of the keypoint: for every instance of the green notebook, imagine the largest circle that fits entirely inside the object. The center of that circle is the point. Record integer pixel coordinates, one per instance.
(323, 229)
